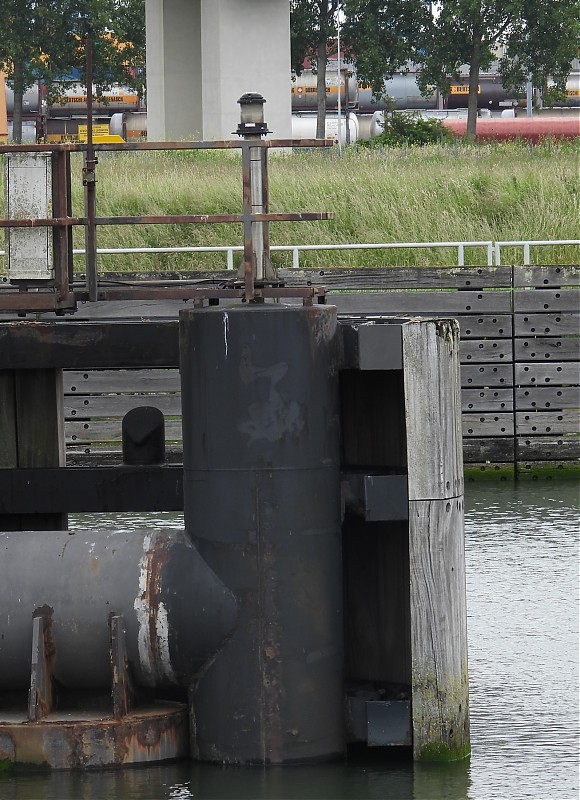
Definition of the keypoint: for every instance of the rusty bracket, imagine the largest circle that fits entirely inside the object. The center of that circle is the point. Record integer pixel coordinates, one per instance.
(40, 696)
(308, 294)
(121, 681)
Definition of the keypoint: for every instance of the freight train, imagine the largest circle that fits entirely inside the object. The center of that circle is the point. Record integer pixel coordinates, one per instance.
(59, 120)
(121, 111)
(404, 94)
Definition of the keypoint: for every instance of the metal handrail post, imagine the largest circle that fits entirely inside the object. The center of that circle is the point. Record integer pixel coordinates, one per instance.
(89, 183)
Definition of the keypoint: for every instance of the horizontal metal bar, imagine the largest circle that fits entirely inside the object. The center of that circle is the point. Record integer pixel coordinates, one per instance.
(158, 487)
(51, 222)
(539, 242)
(175, 219)
(12, 301)
(229, 144)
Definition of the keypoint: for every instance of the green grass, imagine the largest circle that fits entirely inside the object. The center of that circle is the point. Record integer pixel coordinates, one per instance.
(506, 191)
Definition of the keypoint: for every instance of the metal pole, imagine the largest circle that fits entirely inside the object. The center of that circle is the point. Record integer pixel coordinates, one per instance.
(338, 79)
(257, 208)
(89, 182)
(256, 266)
(529, 91)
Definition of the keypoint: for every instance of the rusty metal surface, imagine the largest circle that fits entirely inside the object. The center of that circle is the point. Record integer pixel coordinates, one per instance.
(229, 144)
(120, 677)
(13, 301)
(168, 219)
(308, 294)
(40, 695)
(156, 733)
(176, 611)
(255, 269)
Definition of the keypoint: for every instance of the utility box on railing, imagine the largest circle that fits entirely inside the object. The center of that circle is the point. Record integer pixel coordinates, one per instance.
(29, 196)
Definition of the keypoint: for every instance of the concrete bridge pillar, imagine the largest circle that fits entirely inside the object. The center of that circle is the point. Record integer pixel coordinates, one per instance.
(202, 55)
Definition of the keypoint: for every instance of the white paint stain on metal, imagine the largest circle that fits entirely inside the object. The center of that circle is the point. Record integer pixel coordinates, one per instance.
(142, 613)
(162, 631)
(226, 322)
(154, 656)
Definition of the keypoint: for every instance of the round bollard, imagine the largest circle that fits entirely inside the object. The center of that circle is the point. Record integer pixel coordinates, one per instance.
(143, 431)
(262, 505)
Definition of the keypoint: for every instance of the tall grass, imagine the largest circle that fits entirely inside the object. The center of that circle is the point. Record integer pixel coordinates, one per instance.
(417, 194)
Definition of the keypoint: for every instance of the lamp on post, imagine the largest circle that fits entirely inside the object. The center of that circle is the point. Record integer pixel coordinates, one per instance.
(252, 115)
(256, 266)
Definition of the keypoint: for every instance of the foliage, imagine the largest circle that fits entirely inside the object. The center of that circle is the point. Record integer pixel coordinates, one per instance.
(383, 36)
(312, 29)
(543, 46)
(47, 39)
(435, 193)
(541, 36)
(41, 41)
(402, 129)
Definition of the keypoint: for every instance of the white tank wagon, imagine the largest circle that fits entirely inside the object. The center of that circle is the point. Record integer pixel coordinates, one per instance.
(304, 127)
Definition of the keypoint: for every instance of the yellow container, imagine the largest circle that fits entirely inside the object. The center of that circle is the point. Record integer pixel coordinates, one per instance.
(3, 115)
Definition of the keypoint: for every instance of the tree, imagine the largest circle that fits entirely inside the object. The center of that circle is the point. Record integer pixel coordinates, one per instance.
(117, 31)
(383, 36)
(312, 29)
(23, 27)
(41, 41)
(539, 36)
(542, 47)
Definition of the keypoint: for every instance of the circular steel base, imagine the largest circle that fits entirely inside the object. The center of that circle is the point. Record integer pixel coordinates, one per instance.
(86, 740)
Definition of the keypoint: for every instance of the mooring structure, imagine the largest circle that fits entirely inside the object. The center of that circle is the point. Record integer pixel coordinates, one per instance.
(316, 598)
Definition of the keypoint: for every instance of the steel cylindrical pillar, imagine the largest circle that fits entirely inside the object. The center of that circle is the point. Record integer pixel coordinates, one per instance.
(262, 505)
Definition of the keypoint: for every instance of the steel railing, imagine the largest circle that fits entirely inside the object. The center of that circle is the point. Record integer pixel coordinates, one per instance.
(493, 249)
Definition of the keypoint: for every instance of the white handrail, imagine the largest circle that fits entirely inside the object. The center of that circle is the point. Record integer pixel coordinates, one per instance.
(297, 248)
(493, 249)
(526, 244)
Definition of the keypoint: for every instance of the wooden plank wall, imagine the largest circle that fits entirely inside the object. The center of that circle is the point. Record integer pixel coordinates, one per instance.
(519, 361)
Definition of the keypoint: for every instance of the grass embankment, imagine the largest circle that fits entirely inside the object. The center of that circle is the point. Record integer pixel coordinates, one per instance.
(435, 193)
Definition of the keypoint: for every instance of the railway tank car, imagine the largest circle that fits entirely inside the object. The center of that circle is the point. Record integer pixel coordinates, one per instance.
(304, 91)
(404, 94)
(530, 129)
(60, 120)
(73, 101)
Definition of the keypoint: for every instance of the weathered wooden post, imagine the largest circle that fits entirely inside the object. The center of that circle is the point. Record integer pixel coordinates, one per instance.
(440, 692)
(405, 606)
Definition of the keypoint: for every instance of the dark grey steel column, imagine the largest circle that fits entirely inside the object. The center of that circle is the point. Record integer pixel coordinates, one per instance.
(262, 504)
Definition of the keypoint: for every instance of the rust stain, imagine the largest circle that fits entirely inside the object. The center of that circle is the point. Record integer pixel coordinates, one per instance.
(149, 735)
(157, 557)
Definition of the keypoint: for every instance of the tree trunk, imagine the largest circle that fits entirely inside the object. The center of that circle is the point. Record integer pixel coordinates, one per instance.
(473, 87)
(321, 89)
(17, 113)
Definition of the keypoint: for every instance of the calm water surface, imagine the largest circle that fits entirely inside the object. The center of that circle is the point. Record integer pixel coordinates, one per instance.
(522, 591)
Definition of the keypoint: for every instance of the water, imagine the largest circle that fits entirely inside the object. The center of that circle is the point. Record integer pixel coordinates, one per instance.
(522, 590)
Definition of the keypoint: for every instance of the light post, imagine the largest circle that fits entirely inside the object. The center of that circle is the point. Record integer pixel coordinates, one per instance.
(338, 73)
(256, 266)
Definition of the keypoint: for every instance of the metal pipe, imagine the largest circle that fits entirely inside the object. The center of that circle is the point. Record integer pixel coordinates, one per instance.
(89, 182)
(176, 610)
